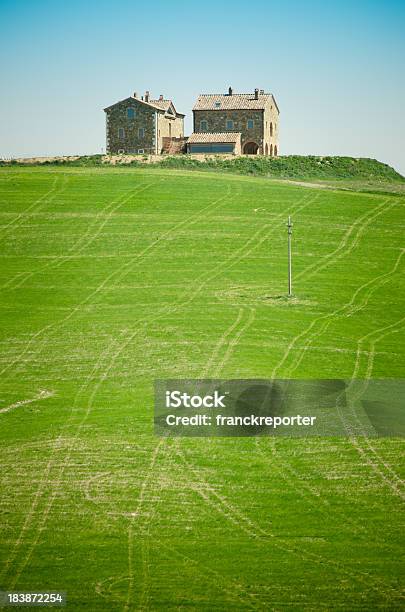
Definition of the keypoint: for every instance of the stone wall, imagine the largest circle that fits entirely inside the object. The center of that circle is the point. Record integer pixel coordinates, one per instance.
(265, 125)
(154, 123)
(217, 119)
(117, 119)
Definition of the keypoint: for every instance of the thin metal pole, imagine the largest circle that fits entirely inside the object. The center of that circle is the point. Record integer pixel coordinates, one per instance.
(289, 225)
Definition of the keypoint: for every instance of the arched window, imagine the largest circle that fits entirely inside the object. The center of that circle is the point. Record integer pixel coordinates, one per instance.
(271, 150)
(266, 150)
(271, 129)
(275, 150)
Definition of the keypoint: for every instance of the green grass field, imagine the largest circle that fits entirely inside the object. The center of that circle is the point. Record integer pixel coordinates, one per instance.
(113, 277)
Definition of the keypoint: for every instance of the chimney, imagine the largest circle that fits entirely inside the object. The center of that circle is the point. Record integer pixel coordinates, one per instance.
(256, 94)
(161, 97)
(146, 96)
(135, 94)
(230, 91)
(141, 97)
(262, 92)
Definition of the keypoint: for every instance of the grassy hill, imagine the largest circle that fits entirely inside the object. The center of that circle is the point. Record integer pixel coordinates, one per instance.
(355, 172)
(111, 278)
(293, 166)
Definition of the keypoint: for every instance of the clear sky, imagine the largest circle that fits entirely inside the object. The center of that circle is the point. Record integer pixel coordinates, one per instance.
(335, 68)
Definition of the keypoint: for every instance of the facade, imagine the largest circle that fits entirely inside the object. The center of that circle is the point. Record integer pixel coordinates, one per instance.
(142, 125)
(255, 117)
(228, 142)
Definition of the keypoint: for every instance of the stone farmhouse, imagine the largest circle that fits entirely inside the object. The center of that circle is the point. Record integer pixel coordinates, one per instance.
(143, 125)
(235, 123)
(222, 123)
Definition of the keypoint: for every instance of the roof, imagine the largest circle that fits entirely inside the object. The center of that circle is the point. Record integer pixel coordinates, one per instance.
(163, 104)
(233, 102)
(155, 106)
(160, 105)
(219, 137)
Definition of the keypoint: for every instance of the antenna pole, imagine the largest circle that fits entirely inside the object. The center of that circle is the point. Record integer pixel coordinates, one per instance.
(289, 226)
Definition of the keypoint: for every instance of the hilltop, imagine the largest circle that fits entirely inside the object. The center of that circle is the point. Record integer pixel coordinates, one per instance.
(348, 172)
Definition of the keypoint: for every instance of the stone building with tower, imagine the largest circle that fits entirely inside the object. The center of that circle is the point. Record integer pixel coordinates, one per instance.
(144, 125)
(246, 123)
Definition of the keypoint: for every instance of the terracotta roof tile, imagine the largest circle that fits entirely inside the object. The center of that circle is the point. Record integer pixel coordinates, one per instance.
(219, 137)
(161, 105)
(232, 102)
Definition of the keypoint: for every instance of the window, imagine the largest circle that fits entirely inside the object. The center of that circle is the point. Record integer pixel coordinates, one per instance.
(130, 113)
(217, 104)
(203, 126)
(271, 129)
(141, 132)
(211, 148)
(121, 133)
(141, 151)
(250, 124)
(229, 124)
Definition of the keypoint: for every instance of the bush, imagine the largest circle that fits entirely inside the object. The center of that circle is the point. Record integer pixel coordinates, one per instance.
(290, 167)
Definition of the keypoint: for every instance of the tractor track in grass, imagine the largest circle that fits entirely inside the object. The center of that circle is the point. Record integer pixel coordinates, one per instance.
(45, 199)
(375, 284)
(82, 242)
(222, 341)
(46, 478)
(347, 310)
(311, 494)
(145, 482)
(36, 500)
(234, 514)
(229, 338)
(372, 285)
(30, 400)
(234, 341)
(46, 512)
(329, 316)
(144, 496)
(226, 584)
(163, 314)
(28, 521)
(393, 481)
(135, 260)
(345, 248)
(252, 244)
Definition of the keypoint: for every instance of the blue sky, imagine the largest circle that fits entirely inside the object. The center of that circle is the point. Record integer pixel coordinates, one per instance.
(336, 69)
